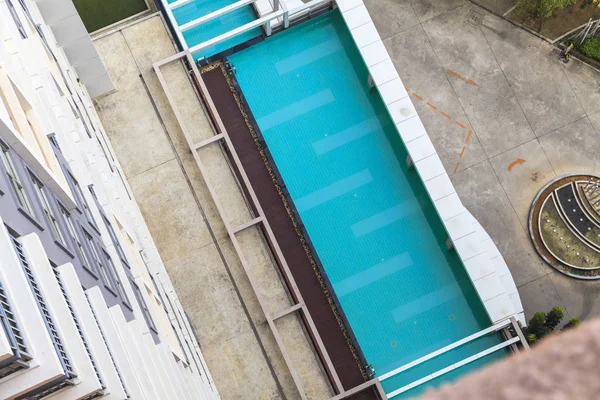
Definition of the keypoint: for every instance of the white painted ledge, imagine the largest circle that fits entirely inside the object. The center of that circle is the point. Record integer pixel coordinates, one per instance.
(480, 256)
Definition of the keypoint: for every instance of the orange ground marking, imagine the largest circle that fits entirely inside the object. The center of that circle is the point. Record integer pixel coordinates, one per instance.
(518, 161)
(461, 125)
(462, 78)
(446, 115)
(468, 136)
(431, 105)
(456, 167)
(463, 151)
(417, 96)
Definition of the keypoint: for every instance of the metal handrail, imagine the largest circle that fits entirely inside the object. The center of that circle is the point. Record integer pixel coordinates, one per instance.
(283, 12)
(215, 14)
(494, 328)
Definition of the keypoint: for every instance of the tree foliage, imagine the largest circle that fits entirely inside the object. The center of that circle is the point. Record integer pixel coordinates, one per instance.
(542, 8)
(542, 323)
(573, 322)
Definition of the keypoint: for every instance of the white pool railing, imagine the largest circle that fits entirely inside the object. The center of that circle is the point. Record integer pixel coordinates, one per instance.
(280, 12)
(492, 329)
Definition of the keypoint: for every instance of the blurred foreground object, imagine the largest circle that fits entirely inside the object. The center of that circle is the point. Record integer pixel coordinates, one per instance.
(560, 367)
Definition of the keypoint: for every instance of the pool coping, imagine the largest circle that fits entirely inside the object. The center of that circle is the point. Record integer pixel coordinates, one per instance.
(481, 258)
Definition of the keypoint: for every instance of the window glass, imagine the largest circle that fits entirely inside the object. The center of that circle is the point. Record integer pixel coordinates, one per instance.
(98, 261)
(113, 272)
(142, 303)
(74, 237)
(15, 17)
(115, 240)
(49, 214)
(14, 179)
(82, 200)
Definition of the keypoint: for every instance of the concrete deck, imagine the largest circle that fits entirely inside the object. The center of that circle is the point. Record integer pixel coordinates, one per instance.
(239, 348)
(508, 88)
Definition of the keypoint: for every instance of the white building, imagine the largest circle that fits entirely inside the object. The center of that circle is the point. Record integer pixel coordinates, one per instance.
(86, 307)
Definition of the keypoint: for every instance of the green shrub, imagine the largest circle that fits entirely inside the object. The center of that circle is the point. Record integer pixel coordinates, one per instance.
(542, 323)
(537, 325)
(573, 322)
(591, 47)
(553, 318)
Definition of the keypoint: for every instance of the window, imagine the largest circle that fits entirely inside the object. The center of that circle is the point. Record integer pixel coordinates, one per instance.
(54, 142)
(82, 200)
(113, 273)
(142, 303)
(43, 199)
(99, 264)
(115, 240)
(15, 17)
(74, 236)
(14, 179)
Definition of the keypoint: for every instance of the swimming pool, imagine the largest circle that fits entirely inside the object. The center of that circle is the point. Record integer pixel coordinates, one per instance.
(216, 27)
(368, 216)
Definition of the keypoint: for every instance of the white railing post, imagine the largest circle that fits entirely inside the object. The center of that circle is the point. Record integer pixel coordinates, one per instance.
(268, 29)
(286, 19)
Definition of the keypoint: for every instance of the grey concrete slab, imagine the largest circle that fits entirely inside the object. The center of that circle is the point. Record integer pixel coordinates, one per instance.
(421, 73)
(541, 295)
(542, 90)
(490, 105)
(483, 195)
(129, 127)
(233, 365)
(580, 298)
(304, 357)
(264, 270)
(281, 370)
(179, 228)
(523, 181)
(391, 16)
(595, 121)
(573, 148)
(427, 9)
(585, 82)
(225, 185)
(209, 296)
(242, 282)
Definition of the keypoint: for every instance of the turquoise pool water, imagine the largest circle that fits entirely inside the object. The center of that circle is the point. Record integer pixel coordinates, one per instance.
(370, 220)
(216, 27)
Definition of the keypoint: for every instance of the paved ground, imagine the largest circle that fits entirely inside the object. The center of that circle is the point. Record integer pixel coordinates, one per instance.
(509, 90)
(239, 348)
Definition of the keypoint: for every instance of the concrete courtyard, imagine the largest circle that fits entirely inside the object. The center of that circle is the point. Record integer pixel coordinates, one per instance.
(491, 95)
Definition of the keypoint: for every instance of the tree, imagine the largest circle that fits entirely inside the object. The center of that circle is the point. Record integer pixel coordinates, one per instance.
(553, 318)
(543, 323)
(541, 8)
(537, 325)
(573, 322)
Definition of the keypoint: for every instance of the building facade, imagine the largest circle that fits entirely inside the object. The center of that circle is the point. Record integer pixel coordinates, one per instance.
(86, 306)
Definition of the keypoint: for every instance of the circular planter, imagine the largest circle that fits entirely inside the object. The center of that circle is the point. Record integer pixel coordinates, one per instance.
(564, 225)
